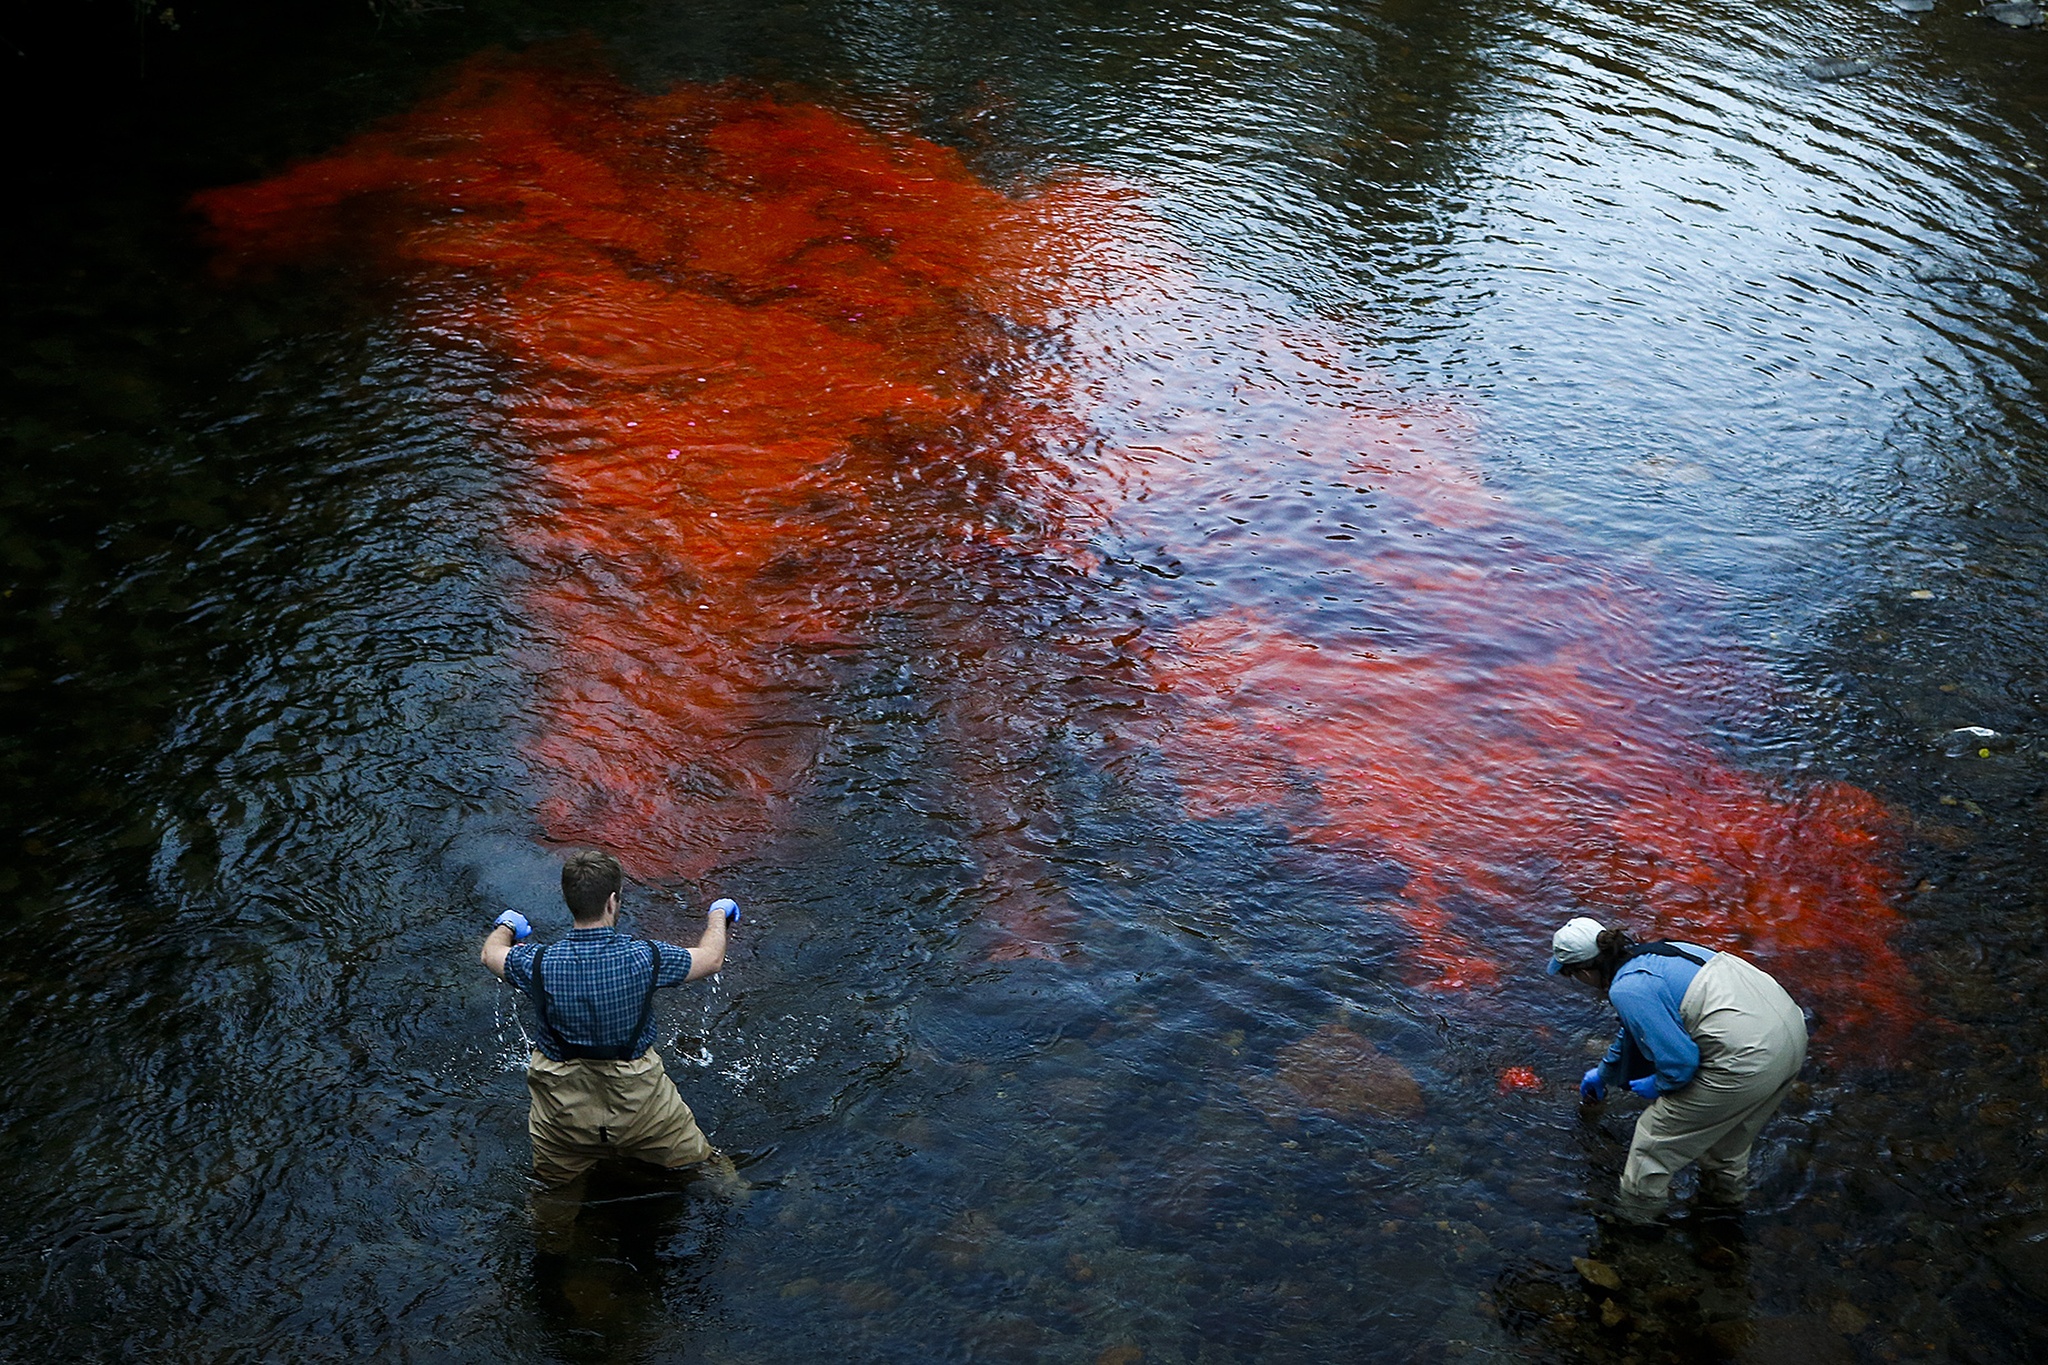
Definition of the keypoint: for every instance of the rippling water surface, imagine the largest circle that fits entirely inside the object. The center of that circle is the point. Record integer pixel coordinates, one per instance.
(1158, 552)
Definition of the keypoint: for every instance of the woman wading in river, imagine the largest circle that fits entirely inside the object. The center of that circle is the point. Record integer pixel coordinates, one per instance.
(1711, 1041)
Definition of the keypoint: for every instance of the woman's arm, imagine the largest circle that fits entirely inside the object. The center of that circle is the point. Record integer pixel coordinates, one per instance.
(1639, 998)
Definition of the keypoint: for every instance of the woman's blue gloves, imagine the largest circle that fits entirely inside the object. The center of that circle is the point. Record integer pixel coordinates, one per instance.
(516, 922)
(1593, 1086)
(730, 906)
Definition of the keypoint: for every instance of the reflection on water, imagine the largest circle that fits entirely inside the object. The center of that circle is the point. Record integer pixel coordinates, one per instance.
(1436, 686)
(777, 372)
(633, 1263)
(1155, 646)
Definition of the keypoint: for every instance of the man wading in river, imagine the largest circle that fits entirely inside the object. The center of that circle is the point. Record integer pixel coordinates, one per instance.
(1712, 1042)
(597, 1085)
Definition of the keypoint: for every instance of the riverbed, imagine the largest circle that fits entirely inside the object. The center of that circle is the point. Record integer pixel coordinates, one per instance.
(1157, 551)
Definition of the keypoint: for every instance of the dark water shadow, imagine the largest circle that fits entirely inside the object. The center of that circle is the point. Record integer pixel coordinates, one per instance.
(631, 1270)
(1683, 1290)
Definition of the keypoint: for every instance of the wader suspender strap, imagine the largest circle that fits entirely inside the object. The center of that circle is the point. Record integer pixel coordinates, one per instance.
(1657, 949)
(575, 1051)
(646, 1001)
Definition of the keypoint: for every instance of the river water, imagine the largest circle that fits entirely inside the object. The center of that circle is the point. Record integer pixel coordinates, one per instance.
(1158, 551)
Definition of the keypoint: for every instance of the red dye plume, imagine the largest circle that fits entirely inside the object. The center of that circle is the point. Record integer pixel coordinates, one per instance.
(773, 368)
(789, 385)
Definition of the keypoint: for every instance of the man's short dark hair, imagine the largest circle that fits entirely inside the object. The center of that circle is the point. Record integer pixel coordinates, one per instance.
(590, 876)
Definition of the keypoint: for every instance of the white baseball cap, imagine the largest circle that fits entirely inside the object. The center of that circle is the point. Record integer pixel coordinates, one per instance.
(1577, 942)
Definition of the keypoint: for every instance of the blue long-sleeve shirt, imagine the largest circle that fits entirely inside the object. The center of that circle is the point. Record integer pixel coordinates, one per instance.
(1646, 993)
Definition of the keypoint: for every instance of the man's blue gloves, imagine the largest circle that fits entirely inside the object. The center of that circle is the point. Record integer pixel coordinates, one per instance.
(729, 906)
(1646, 1086)
(516, 922)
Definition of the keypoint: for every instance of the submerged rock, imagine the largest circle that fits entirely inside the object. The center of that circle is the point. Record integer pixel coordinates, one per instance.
(1599, 1274)
(1913, 6)
(960, 1243)
(1338, 1072)
(1847, 1318)
(1974, 741)
(2024, 1256)
(2021, 15)
(1716, 1258)
(1770, 1341)
(1730, 1337)
(1837, 69)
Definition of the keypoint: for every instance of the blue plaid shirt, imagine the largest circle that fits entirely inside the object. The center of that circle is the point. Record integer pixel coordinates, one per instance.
(596, 980)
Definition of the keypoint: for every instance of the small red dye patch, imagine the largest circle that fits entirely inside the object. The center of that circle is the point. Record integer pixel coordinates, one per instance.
(1520, 1078)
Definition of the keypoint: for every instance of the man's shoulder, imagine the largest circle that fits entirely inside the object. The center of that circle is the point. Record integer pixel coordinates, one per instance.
(610, 952)
(676, 962)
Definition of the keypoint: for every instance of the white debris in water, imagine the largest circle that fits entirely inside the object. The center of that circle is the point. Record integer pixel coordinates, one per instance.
(1966, 740)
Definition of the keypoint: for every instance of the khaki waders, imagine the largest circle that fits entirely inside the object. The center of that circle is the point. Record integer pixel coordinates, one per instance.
(586, 1110)
(1752, 1042)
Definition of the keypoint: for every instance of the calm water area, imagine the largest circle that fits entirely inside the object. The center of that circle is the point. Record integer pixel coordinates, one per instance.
(1157, 549)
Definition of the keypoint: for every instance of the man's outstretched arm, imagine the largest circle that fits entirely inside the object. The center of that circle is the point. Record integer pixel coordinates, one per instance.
(510, 928)
(709, 954)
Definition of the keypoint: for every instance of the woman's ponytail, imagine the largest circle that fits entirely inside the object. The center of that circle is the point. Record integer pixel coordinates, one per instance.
(1612, 950)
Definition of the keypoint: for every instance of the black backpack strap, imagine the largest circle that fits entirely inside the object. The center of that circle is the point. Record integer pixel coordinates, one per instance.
(1660, 948)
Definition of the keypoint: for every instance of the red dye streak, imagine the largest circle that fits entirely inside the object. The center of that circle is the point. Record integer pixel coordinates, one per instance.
(1525, 738)
(784, 379)
(1529, 749)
